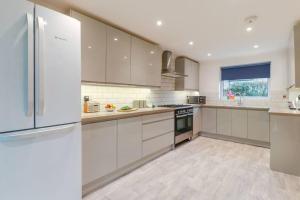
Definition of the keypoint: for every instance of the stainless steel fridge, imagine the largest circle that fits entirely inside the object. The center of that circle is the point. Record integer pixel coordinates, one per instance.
(40, 130)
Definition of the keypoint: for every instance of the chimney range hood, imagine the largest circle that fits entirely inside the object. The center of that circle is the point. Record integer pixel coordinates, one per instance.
(168, 69)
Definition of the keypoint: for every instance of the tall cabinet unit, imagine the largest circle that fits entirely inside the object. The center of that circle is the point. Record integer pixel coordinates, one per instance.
(294, 58)
(145, 63)
(191, 69)
(93, 48)
(118, 56)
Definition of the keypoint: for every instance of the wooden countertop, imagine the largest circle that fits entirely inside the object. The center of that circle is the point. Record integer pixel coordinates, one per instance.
(88, 118)
(284, 111)
(259, 108)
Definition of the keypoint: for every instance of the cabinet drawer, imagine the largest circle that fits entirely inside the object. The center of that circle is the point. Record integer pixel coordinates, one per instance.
(154, 129)
(158, 143)
(157, 117)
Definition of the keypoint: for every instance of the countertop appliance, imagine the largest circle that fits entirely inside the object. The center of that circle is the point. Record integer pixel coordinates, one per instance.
(196, 99)
(40, 129)
(183, 121)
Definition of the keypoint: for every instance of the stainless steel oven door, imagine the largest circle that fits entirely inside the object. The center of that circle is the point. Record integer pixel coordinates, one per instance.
(190, 122)
(181, 124)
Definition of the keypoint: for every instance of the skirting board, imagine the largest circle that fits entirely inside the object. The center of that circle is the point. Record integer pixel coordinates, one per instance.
(101, 182)
(234, 139)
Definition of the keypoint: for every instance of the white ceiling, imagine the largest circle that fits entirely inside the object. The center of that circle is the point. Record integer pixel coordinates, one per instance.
(215, 26)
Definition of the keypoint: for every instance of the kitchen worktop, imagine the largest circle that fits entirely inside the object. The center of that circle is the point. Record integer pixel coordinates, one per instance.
(88, 118)
(284, 111)
(247, 107)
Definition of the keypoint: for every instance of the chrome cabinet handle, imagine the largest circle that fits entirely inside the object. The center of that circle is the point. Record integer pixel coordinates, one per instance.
(40, 65)
(30, 65)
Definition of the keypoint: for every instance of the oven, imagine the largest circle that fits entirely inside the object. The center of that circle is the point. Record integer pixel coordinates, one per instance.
(183, 124)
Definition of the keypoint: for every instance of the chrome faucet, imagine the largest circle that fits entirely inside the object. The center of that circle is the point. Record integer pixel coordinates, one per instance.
(240, 99)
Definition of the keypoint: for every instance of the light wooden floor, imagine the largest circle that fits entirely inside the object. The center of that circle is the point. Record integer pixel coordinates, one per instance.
(205, 169)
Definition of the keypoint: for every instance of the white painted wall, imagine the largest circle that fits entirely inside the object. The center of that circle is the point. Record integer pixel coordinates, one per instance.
(210, 73)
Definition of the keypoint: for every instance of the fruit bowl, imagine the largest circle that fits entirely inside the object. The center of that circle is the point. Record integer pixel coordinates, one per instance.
(110, 107)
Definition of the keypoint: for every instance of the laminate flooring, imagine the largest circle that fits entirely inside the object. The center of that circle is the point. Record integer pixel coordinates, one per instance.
(205, 169)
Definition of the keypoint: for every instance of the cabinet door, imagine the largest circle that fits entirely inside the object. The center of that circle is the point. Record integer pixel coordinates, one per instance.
(188, 70)
(196, 121)
(224, 121)
(239, 123)
(16, 65)
(258, 125)
(99, 150)
(209, 120)
(145, 63)
(93, 48)
(118, 56)
(139, 59)
(154, 65)
(196, 76)
(129, 141)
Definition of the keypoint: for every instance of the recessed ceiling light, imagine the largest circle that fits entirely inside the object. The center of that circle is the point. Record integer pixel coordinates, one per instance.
(159, 23)
(151, 52)
(249, 29)
(89, 47)
(191, 43)
(116, 39)
(209, 54)
(256, 46)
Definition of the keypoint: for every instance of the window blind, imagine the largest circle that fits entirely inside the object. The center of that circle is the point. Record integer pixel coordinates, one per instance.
(250, 71)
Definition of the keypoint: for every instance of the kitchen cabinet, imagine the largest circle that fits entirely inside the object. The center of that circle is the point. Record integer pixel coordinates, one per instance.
(285, 143)
(99, 150)
(258, 126)
(145, 63)
(294, 58)
(209, 120)
(191, 69)
(129, 141)
(196, 121)
(239, 123)
(118, 68)
(224, 121)
(158, 132)
(93, 48)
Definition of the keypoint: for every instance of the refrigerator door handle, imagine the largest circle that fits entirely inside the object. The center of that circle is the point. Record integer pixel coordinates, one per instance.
(32, 134)
(41, 65)
(30, 66)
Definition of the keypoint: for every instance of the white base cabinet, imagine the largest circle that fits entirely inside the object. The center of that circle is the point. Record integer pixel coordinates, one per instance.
(112, 146)
(238, 123)
(129, 141)
(196, 121)
(99, 152)
(209, 120)
(224, 121)
(258, 126)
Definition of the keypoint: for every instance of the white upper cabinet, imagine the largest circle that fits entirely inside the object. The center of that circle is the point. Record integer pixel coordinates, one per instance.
(93, 48)
(145, 63)
(118, 56)
(189, 68)
(294, 58)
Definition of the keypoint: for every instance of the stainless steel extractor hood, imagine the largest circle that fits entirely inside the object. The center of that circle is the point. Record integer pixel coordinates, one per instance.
(168, 69)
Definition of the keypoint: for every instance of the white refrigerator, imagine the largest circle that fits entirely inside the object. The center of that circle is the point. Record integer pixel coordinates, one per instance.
(40, 130)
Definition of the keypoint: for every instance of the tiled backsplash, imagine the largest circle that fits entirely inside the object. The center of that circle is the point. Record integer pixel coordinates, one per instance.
(121, 96)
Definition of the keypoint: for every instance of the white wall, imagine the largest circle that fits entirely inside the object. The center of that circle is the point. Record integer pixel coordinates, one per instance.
(210, 73)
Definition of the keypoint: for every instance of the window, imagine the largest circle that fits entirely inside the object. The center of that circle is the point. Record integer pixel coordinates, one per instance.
(246, 80)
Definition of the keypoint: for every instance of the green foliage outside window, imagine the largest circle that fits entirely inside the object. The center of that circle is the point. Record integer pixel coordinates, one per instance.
(248, 87)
